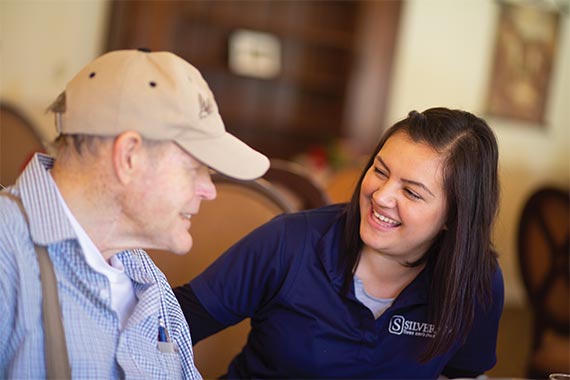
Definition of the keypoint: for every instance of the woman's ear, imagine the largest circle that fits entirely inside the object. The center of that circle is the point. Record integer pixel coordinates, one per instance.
(127, 156)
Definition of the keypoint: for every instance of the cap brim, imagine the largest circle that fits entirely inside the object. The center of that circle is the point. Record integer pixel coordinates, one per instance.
(229, 156)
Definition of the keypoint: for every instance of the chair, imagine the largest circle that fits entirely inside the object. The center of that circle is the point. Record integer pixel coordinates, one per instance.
(18, 142)
(239, 208)
(341, 183)
(544, 249)
(296, 184)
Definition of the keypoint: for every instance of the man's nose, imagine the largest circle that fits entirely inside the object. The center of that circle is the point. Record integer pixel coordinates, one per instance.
(206, 188)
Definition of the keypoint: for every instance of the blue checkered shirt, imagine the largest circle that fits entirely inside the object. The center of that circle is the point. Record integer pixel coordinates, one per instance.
(98, 349)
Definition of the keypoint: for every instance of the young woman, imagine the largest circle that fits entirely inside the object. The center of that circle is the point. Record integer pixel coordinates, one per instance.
(402, 282)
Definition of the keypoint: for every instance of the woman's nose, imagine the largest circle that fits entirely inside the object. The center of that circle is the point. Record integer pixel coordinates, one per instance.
(385, 195)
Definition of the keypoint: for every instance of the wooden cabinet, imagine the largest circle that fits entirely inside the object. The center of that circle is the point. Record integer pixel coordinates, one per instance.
(305, 104)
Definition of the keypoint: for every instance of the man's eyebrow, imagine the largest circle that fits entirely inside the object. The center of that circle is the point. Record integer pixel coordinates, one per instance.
(408, 181)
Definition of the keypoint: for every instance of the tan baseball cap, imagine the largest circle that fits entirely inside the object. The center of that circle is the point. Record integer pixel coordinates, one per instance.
(161, 96)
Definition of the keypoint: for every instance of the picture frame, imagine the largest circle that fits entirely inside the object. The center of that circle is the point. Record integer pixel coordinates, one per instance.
(525, 48)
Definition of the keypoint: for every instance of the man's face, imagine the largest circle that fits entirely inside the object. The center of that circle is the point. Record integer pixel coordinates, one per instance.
(165, 198)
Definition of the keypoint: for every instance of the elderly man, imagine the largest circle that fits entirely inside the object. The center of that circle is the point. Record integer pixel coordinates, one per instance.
(138, 134)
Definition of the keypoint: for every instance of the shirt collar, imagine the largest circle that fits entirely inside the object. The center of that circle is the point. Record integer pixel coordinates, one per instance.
(138, 266)
(329, 252)
(48, 221)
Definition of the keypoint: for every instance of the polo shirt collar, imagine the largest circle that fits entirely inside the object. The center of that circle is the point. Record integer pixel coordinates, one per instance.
(328, 250)
(416, 292)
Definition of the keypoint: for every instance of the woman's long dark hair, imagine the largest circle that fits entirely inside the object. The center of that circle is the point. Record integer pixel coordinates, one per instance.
(461, 259)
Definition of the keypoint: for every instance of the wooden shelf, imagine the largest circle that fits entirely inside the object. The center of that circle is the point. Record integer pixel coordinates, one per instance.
(305, 103)
(322, 24)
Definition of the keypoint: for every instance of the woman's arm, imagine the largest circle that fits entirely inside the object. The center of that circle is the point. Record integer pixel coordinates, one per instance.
(202, 324)
(247, 276)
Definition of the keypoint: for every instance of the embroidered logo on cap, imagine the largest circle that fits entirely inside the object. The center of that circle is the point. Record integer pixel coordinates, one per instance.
(206, 107)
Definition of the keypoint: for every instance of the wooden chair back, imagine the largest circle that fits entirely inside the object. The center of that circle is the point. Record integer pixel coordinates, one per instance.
(544, 250)
(296, 184)
(18, 142)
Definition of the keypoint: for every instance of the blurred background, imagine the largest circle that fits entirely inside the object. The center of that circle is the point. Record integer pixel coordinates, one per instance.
(318, 82)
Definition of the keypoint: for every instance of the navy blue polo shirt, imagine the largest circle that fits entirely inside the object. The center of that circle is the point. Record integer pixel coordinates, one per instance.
(287, 277)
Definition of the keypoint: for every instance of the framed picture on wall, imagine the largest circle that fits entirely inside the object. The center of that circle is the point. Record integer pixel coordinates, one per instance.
(525, 49)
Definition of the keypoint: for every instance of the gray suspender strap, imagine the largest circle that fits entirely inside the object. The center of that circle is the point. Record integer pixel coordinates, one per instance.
(56, 356)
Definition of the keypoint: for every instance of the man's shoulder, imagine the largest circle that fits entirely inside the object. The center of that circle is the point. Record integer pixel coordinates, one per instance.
(7, 199)
(17, 255)
(13, 224)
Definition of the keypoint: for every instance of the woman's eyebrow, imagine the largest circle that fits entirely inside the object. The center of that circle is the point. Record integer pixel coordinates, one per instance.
(381, 161)
(408, 181)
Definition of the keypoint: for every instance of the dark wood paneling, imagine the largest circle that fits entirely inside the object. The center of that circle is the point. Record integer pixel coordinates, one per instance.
(304, 105)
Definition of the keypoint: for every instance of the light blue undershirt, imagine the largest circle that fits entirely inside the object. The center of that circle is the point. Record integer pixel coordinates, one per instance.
(376, 305)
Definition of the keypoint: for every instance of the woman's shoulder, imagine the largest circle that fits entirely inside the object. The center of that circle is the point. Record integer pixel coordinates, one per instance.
(492, 302)
(497, 283)
(318, 219)
(289, 234)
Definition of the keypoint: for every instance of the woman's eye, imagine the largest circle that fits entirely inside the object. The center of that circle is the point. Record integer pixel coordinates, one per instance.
(380, 172)
(412, 194)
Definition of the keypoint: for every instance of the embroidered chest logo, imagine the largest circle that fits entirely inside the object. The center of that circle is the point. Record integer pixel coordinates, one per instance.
(399, 325)
(206, 106)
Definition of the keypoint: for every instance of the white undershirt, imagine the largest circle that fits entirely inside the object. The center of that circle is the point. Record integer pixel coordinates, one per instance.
(123, 298)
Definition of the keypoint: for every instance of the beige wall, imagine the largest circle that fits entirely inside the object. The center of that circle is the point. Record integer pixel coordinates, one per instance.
(444, 56)
(42, 44)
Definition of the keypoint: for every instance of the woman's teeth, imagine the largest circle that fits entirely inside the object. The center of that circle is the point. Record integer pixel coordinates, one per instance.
(385, 219)
(186, 215)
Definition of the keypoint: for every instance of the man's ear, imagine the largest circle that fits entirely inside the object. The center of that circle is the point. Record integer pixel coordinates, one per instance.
(127, 155)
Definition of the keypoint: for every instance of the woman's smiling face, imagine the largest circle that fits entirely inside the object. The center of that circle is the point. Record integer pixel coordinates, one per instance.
(402, 199)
